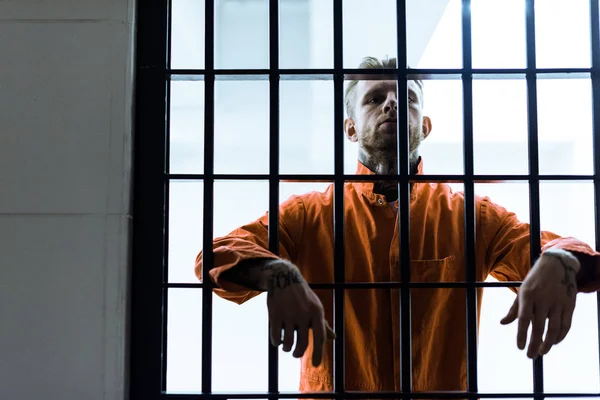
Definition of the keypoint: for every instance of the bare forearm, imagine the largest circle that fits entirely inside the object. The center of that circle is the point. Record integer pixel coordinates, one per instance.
(265, 275)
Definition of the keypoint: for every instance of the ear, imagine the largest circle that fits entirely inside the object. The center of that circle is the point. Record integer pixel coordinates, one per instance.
(426, 126)
(350, 130)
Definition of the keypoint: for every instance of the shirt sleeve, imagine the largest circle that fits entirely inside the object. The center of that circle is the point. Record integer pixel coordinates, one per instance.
(251, 241)
(508, 248)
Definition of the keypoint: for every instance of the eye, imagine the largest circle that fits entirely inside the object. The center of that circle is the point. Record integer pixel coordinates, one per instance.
(412, 99)
(373, 100)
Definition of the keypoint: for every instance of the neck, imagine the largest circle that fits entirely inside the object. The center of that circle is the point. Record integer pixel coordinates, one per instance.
(386, 164)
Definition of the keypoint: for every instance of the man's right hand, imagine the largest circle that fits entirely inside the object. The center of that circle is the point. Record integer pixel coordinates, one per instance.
(294, 307)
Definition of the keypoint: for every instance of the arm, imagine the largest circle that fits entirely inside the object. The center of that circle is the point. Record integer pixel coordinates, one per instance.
(549, 288)
(507, 248)
(241, 258)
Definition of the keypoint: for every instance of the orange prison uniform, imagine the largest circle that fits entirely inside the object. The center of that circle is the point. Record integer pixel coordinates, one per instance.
(437, 245)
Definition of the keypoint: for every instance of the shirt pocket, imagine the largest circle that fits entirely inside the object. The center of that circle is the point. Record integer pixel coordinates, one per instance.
(436, 270)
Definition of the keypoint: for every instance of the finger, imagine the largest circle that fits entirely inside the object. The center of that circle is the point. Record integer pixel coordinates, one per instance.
(567, 318)
(288, 336)
(330, 332)
(525, 315)
(301, 341)
(537, 332)
(318, 328)
(513, 312)
(276, 326)
(554, 324)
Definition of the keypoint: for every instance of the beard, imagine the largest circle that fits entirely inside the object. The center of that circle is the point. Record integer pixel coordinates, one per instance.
(381, 146)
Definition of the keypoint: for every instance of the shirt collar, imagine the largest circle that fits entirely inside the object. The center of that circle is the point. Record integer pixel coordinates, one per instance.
(366, 188)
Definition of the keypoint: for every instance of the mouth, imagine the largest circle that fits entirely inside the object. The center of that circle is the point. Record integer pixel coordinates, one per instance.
(389, 121)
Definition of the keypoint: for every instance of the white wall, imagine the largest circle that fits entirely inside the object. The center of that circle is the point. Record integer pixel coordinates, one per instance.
(65, 145)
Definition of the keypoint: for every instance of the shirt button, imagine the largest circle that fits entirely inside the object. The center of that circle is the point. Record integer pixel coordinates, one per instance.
(380, 201)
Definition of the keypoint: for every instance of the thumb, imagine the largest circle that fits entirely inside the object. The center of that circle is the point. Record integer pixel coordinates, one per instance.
(330, 333)
(512, 313)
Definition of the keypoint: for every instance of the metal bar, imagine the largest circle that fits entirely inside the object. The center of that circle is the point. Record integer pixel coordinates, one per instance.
(595, 49)
(167, 169)
(383, 285)
(534, 184)
(338, 196)
(403, 159)
(370, 178)
(373, 395)
(207, 245)
(148, 205)
(469, 191)
(273, 171)
(427, 72)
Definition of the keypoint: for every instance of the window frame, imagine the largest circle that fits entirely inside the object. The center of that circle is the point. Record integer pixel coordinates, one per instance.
(151, 187)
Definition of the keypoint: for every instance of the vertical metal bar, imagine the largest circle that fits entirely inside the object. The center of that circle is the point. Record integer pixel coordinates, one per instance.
(167, 166)
(209, 148)
(338, 211)
(273, 169)
(595, 49)
(403, 149)
(534, 180)
(148, 204)
(471, 275)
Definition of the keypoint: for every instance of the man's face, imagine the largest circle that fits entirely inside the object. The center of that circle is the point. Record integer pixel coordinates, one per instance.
(374, 125)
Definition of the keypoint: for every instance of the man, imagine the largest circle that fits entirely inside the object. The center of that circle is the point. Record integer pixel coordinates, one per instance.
(244, 267)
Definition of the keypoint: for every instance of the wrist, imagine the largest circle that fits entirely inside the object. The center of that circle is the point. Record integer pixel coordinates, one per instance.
(566, 257)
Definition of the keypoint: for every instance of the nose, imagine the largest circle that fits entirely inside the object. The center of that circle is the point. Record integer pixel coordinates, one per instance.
(390, 104)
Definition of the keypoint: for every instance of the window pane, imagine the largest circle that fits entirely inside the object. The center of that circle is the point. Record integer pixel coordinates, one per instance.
(565, 126)
(431, 326)
(241, 127)
(187, 34)
(184, 341)
(186, 210)
(369, 30)
(494, 46)
(514, 196)
(307, 126)
(240, 339)
(187, 128)
(442, 150)
(567, 209)
(241, 34)
(306, 34)
(240, 345)
(502, 367)
(562, 33)
(500, 126)
(434, 33)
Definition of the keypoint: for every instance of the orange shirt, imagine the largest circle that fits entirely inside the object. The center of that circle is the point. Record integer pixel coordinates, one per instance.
(372, 255)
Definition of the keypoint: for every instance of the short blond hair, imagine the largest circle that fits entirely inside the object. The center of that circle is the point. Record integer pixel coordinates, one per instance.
(369, 63)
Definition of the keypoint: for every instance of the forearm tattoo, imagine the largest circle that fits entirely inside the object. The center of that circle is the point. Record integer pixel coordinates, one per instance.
(264, 275)
(569, 279)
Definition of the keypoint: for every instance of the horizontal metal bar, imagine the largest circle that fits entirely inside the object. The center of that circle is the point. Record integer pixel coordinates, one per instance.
(327, 73)
(381, 285)
(295, 76)
(371, 178)
(368, 395)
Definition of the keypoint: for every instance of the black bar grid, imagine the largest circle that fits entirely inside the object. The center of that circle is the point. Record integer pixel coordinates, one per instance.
(209, 181)
(469, 192)
(339, 277)
(534, 170)
(151, 194)
(595, 57)
(273, 171)
(403, 151)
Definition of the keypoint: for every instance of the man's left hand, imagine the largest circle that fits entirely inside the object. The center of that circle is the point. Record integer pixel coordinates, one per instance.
(548, 292)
